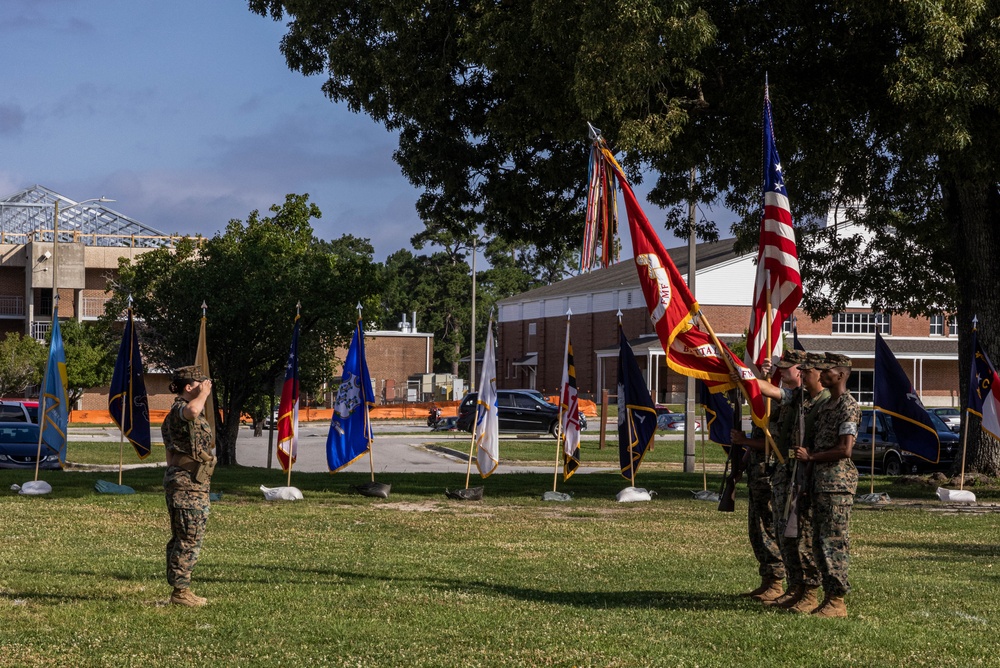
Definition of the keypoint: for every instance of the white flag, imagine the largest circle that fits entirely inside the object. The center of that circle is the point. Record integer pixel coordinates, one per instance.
(487, 422)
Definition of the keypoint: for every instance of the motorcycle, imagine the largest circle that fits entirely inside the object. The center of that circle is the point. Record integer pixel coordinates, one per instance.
(433, 416)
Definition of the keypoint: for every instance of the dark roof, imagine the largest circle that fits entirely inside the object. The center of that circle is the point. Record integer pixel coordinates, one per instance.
(623, 274)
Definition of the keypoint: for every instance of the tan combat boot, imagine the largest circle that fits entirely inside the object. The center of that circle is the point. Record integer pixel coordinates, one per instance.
(806, 603)
(788, 599)
(833, 606)
(765, 583)
(774, 590)
(184, 596)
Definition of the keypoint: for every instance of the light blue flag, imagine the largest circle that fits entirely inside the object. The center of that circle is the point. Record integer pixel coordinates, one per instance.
(350, 434)
(55, 413)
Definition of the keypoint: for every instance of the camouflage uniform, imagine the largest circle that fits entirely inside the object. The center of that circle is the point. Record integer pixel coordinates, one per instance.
(187, 498)
(796, 551)
(760, 524)
(832, 493)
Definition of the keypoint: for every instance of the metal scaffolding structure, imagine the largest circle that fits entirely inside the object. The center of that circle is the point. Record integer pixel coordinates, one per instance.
(28, 216)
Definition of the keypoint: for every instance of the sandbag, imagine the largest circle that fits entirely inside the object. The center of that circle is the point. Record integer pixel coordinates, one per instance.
(632, 494)
(956, 495)
(281, 493)
(35, 487)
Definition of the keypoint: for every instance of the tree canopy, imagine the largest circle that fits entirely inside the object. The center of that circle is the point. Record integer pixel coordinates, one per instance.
(887, 111)
(251, 277)
(21, 363)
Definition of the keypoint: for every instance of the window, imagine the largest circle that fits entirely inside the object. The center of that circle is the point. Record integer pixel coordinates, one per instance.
(532, 328)
(937, 325)
(952, 325)
(862, 385)
(786, 327)
(862, 323)
(45, 301)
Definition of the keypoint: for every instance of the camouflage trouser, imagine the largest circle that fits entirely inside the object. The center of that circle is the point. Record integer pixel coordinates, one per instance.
(832, 540)
(760, 527)
(187, 528)
(796, 552)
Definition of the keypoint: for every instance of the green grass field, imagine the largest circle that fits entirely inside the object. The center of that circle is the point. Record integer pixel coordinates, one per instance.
(419, 580)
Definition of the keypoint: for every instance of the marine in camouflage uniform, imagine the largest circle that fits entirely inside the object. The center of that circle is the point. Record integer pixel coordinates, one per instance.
(834, 482)
(188, 442)
(797, 546)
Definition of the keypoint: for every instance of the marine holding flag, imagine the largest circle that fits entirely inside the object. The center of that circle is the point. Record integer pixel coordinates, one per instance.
(569, 400)
(288, 408)
(636, 411)
(350, 434)
(127, 400)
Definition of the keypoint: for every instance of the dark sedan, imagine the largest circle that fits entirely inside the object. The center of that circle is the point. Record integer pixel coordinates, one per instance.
(891, 457)
(19, 447)
(518, 412)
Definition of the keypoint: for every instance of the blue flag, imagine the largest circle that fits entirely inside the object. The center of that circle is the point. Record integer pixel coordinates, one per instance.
(895, 396)
(350, 434)
(127, 396)
(719, 414)
(55, 412)
(636, 411)
(984, 389)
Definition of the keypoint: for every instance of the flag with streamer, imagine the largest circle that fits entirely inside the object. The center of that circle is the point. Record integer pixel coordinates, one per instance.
(55, 413)
(487, 429)
(569, 400)
(127, 401)
(288, 408)
(350, 434)
(674, 311)
(984, 389)
(778, 285)
(895, 396)
(636, 411)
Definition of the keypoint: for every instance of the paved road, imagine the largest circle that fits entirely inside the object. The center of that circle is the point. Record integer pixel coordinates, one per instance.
(398, 448)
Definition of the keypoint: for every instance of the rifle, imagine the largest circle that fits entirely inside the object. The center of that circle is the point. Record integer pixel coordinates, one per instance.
(797, 484)
(735, 462)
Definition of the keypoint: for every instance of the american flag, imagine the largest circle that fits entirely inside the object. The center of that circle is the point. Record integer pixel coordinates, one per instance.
(778, 281)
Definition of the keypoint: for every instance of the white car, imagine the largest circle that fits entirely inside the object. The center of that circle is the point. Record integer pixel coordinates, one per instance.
(673, 422)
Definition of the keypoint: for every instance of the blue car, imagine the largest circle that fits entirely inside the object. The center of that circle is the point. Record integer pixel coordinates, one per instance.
(19, 447)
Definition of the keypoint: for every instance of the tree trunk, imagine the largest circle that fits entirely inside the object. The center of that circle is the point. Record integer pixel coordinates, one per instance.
(972, 207)
(228, 429)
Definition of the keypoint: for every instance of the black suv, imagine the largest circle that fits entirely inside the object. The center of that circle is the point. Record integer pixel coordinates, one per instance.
(890, 458)
(519, 412)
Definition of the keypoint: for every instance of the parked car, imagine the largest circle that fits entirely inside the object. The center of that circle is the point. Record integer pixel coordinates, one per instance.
(951, 416)
(890, 456)
(519, 412)
(19, 411)
(670, 421)
(19, 447)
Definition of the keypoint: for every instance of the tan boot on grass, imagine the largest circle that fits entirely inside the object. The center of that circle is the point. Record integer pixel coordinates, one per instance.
(184, 596)
(774, 590)
(806, 603)
(789, 598)
(833, 606)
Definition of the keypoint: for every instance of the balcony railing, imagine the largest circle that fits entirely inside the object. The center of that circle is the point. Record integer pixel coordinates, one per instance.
(11, 306)
(40, 330)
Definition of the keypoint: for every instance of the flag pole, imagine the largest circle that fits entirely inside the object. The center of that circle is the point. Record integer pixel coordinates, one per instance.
(704, 471)
(295, 436)
(472, 381)
(45, 376)
(965, 422)
(871, 487)
(560, 432)
(368, 417)
(768, 439)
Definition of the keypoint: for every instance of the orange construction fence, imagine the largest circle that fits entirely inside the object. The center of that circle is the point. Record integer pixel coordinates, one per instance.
(387, 411)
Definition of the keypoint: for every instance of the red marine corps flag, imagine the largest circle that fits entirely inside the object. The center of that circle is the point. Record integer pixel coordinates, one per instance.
(691, 350)
(778, 286)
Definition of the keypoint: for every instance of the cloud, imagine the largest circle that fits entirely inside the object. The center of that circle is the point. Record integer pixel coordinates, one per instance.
(12, 119)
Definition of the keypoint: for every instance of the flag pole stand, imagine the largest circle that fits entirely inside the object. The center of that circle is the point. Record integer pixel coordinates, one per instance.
(871, 487)
(768, 439)
(965, 438)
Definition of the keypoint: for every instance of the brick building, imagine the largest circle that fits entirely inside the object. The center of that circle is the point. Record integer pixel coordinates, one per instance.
(532, 331)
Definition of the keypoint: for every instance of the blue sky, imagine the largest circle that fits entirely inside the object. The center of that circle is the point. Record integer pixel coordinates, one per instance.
(186, 114)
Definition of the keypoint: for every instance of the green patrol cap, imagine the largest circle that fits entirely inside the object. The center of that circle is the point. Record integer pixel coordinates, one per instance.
(188, 374)
(812, 359)
(791, 357)
(834, 360)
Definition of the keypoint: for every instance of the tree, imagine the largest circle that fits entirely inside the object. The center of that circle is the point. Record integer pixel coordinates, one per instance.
(251, 277)
(21, 362)
(893, 105)
(90, 356)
